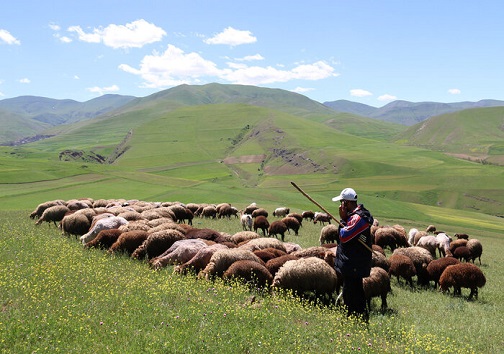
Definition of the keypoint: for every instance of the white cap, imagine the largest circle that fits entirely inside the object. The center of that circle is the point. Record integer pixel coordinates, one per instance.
(346, 194)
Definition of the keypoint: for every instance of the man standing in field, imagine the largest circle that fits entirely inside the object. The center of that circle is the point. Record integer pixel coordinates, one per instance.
(353, 259)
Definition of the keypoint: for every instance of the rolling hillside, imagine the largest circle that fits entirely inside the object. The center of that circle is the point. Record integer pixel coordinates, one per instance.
(170, 146)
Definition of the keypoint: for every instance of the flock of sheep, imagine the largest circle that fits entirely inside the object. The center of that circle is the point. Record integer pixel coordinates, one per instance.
(162, 234)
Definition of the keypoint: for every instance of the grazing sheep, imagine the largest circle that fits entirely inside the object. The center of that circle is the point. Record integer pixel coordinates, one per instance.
(129, 241)
(379, 260)
(378, 249)
(321, 218)
(463, 275)
(298, 217)
(200, 260)
(180, 252)
(260, 211)
(53, 214)
(39, 210)
(411, 236)
(274, 264)
(110, 222)
(253, 273)
(391, 237)
(131, 215)
(242, 236)
(262, 243)
(329, 234)
(203, 234)
(281, 212)
(246, 222)
(314, 251)
(157, 243)
(421, 259)
(464, 236)
(475, 248)
(428, 242)
(78, 204)
(437, 266)
(291, 247)
(209, 212)
(443, 243)
(292, 224)
(308, 215)
(277, 227)
(462, 253)
(182, 214)
(307, 278)
(260, 222)
(74, 223)
(268, 253)
(224, 210)
(402, 266)
(222, 260)
(250, 208)
(457, 243)
(377, 284)
(105, 239)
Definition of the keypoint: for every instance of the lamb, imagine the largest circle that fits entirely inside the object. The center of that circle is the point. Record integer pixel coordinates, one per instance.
(321, 218)
(274, 264)
(475, 248)
(180, 252)
(157, 243)
(402, 266)
(328, 234)
(129, 241)
(111, 222)
(281, 212)
(437, 266)
(105, 239)
(292, 224)
(463, 275)
(74, 223)
(222, 260)
(260, 222)
(53, 214)
(200, 260)
(377, 284)
(307, 277)
(421, 259)
(252, 272)
(277, 227)
(246, 222)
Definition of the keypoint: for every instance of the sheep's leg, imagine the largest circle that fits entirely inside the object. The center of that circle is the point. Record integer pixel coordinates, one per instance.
(384, 302)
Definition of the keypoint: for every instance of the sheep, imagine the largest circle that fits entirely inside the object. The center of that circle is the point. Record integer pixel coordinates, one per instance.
(428, 242)
(105, 239)
(262, 243)
(259, 211)
(128, 241)
(292, 224)
(274, 264)
(329, 233)
(298, 217)
(462, 253)
(246, 222)
(203, 234)
(277, 227)
(402, 266)
(281, 212)
(131, 215)
(463, 236)
(209, 212)
(252, 272)
(377, 284)
(308, 215)
(250, 208)
(180, 252)
(457, 243)
(379, 260)
(421, 258)
(411, 236)
(224, 210)
(475, 248)
(314, 251)
(463, 275)
(291, 247)
(307, 277)
(443, 244)
(437, 266)
(78, 204)
(74, 223)
(242, 236)
(157, 243)
(260, 222)
(39, 210)
(268, 253)
(111, 222)
(53, 214)
(181, 213)
(321, 218)
(388, 236)
(222, 260)
(200, 260)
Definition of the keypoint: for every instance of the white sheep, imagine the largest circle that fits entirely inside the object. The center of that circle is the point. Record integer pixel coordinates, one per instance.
(111, 222)
(246, 222)
(281, 212)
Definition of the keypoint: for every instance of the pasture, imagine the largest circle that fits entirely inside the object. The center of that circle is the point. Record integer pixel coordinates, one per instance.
(59, 297)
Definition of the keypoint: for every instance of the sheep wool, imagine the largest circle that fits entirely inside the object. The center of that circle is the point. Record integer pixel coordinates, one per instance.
(402, 266)
(463, 275)
(377, 284)
(222, 259)
(421, 259)
(251, 272)
(329, 233)
(475, 248)
(437, 266)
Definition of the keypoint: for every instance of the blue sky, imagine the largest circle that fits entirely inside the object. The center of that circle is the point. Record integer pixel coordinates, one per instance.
(371, 52)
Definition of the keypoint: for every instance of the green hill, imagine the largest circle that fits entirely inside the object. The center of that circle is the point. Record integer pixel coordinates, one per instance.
(171, 146)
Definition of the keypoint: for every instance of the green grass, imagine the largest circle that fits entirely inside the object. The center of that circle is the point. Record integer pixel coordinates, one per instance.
(58, 297)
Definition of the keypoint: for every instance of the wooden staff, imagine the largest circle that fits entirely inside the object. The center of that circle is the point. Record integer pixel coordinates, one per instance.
(328, 213)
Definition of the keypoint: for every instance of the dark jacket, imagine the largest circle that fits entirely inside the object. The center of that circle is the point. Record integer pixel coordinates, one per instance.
(352, 258)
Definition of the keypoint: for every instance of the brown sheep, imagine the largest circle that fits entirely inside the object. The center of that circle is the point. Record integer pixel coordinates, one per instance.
(437, 266)
(39, 210)
(260, 211)
(464, 236)
(157, 243)
(457, 243)
(200, 260)
(274, 264)
(129, 241)
(321, 218)
(222, 260)
(308, 215)
(260, 222)
(292, 224)
(268, 253)
(242, 236)
(463, 275)
(277, 227)
(74, 223)
(421, 259)
(475, 248)
(462, 253)
(180, 252)
(377, 284)
(379, 260)
(402, 266)
(105, 239)
(298, 217)
(53, 214)
(253, 273)
(329, 233)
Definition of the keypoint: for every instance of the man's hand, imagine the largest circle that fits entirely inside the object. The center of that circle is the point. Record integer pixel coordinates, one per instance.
(343, 212)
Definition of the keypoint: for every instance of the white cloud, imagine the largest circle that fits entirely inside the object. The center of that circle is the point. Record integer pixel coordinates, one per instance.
(64, 39)
(76, 77)
(102, 90)
(8, 38)
(1, 94)
(132, 35)
(454, 91)
(232, 37)
(360, 93)
(24, 80)
(302, 89)
(387, 97)
(251, 58)
(54, 27)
